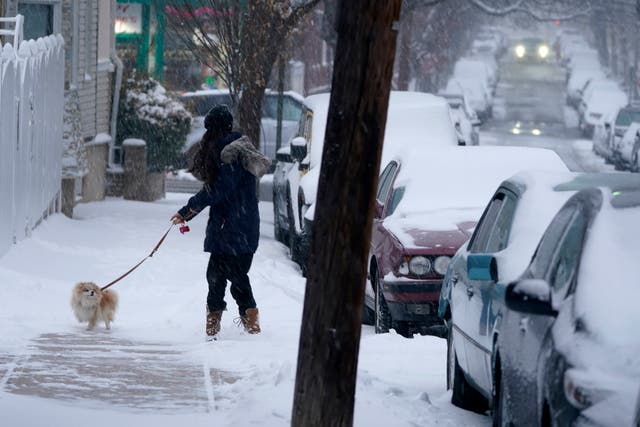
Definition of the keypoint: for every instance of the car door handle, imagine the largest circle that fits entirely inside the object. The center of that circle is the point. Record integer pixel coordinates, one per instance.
(469, 291)
(524, 324)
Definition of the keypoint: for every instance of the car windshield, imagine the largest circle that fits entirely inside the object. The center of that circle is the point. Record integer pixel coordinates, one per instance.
(199, 105)
(626, 117)
(290, 110)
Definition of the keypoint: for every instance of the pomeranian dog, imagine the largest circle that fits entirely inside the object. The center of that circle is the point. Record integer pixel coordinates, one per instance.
(91, 304)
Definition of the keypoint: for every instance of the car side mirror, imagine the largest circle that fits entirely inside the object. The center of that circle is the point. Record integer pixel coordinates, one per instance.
(482, 267)
(298, 148)
(284, 155)
(532, 296)
(607, 127)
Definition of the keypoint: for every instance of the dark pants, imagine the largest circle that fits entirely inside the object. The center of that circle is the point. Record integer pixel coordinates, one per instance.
(223, 267)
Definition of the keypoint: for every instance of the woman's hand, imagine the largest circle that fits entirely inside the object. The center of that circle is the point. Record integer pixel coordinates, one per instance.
(177, 219)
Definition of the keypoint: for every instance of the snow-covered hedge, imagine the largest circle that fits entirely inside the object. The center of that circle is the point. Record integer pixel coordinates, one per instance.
(146, 112)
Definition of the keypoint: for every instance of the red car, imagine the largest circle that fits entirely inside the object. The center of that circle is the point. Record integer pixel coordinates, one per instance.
(428, 203)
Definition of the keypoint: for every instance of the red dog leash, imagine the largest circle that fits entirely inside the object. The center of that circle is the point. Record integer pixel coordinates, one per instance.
(164, 236)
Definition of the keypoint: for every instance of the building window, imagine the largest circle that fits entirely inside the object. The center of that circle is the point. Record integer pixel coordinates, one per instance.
(38, 20)
(41, 18)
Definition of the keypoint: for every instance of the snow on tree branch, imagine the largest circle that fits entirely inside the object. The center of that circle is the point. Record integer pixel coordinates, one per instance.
(541, 10)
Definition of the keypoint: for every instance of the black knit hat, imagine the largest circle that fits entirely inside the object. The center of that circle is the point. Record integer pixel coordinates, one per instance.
(219, 118)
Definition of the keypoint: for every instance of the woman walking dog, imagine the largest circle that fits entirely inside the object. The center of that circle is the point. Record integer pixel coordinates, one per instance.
(228, 164)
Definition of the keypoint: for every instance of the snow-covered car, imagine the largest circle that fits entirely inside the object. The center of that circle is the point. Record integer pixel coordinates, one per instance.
(476, 92)
(583, 59)
(472, 296)
(414, 118)
(600, 102)
(486, 45)
(578, 80)
(419, 225)
(465, 119)
(626, 151)
(200, 102)
(594, 85)
(568, 46)
(603, 136)
(475, 68)
(567, 351)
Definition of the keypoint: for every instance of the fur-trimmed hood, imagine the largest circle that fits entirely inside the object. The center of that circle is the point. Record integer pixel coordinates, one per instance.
(243, 151)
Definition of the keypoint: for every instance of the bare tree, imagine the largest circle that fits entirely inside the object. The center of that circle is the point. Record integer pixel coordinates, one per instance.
(330, 332)
(239, 39)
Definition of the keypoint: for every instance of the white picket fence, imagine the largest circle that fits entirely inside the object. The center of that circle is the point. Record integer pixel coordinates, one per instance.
(31, 131)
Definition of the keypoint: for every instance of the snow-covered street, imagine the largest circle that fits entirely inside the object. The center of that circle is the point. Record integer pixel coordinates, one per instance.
(154, 367)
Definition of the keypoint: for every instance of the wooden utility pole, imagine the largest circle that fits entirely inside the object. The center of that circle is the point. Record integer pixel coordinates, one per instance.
(330, 332)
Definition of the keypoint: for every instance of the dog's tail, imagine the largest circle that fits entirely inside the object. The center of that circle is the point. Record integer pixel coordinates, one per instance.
(109, 303)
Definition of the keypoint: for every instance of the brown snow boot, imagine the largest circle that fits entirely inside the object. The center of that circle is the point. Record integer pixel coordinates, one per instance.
(213, 322)
(250, 321)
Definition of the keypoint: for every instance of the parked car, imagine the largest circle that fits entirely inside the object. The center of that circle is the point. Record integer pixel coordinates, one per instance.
(465, 119)
(471, 301)
(603, 136)
(413, 118)
(475, 68)
(597, 103)
(472, 298)
(419, 225)
(200, 102)
(626, 151)
(567, 351)
(601, 85)
(532, 49)
(611, 130)
(476, 92)
(578, 80)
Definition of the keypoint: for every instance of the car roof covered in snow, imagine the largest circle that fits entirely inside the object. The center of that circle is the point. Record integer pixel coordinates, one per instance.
(542, 194)
(412, 118)
(460, 177)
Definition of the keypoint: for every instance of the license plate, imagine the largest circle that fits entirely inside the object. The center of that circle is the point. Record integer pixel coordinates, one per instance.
(419, 308)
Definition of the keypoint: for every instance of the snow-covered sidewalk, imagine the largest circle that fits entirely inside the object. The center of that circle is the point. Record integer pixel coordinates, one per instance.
(154, 367)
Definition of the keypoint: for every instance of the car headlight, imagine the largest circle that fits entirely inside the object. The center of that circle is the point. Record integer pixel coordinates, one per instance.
(543, 51)
(441, 264)
(520, 51)
(419, 265)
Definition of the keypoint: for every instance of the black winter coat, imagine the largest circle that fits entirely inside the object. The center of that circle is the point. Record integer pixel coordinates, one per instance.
(234, 222)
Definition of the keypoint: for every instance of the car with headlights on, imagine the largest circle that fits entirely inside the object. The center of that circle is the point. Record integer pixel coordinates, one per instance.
(532, 49)
(568, 349)
(427, 205)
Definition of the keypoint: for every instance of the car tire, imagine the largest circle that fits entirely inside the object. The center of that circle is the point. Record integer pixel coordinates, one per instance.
(403, 329)
(463, 394)
(278, 232)
(381, 314)
(635, 162)
(291, 233)
(368, 315)
(450, 355)
(498, 412)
